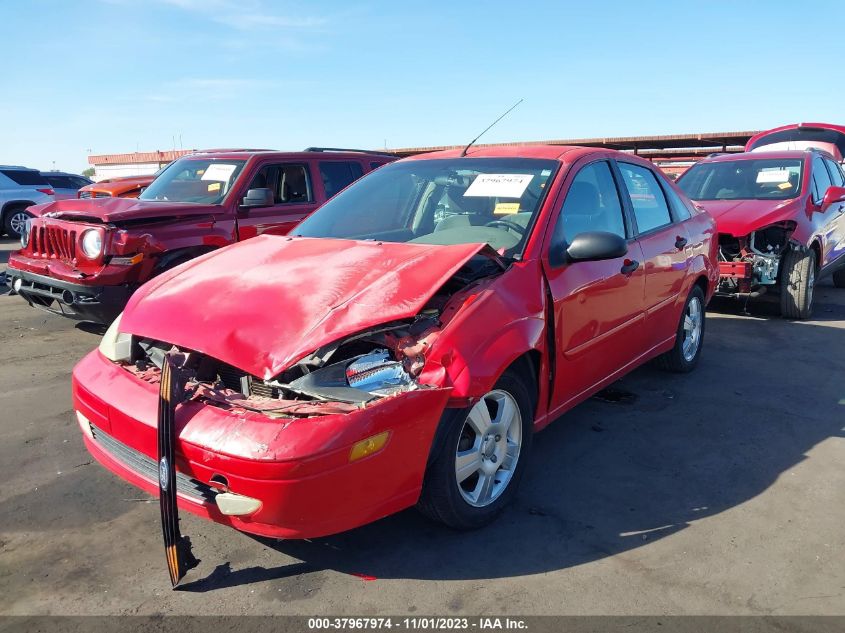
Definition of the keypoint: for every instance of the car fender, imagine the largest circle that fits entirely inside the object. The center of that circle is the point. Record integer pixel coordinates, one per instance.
(11, 204)
(500, 350)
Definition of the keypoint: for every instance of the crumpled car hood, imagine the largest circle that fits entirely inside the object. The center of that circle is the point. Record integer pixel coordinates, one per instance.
(120, 209)
(741, 217)
(265, 303)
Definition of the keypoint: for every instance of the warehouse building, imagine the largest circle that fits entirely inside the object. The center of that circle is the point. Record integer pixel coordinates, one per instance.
(133, 164)
(673, 153)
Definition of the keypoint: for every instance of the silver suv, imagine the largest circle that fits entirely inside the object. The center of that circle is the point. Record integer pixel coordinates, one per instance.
(20, 187)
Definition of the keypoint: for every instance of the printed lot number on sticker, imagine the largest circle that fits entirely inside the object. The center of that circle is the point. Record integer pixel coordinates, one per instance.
(773, 175)
(498, 185)
(219, 171)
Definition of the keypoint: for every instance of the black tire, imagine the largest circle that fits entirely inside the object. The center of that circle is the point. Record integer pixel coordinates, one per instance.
(839, 278)
(797, 278)
(681, 359)
(11, 219)
(441, 498)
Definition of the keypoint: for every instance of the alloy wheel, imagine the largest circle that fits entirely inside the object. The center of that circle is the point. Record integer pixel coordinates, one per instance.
(693, 322)
(17, 221)
(488, 448)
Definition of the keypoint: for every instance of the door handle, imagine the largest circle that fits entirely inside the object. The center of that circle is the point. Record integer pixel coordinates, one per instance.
(629, 266)
(680, 242)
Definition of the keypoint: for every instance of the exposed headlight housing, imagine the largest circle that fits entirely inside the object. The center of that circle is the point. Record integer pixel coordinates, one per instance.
(377, 373)
(116, 345)
(25, 232)
(92, 243)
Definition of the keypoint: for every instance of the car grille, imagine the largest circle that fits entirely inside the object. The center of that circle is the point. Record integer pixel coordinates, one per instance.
(233, 378)
(53, 242)
(94, 194)
(148, 469)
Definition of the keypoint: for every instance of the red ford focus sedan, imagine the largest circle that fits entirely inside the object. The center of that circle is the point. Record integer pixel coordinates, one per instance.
(402, 345)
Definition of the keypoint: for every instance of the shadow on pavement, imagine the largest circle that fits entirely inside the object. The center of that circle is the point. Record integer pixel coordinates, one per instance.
(612, 477)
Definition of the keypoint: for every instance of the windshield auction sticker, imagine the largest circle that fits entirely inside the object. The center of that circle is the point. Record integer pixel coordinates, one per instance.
(219, 171)
(498, 185)
(773, 175)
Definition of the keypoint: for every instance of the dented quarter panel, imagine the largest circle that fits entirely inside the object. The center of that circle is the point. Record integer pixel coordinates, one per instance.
(330, 289)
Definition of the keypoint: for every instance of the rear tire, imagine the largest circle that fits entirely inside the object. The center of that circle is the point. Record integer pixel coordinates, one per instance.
(482, 458)
(689, 337)
(839, 278)
(13, 221)
(798, 278)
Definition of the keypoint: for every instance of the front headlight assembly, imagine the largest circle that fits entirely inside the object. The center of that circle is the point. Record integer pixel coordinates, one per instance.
(92, 243)
(116, 345)
(356, 380)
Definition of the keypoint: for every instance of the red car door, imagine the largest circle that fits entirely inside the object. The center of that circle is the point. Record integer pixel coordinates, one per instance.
(837, 248)
(598, 305)
(664, 247)
(293, 199)
(826, 220)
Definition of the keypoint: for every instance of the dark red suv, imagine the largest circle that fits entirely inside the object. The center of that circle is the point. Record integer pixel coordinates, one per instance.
(84, 258)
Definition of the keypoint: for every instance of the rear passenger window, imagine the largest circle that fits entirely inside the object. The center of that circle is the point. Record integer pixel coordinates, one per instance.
(24, 177)
(337, 175)
(679, 208)
(835, 173)
(375, 165)
(647, 199)
(591, 204)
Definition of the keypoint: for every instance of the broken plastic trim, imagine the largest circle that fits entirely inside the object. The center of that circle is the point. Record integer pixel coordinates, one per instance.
(171, 392)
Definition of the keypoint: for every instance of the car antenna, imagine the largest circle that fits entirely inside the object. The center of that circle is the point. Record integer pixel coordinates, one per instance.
(472, 142)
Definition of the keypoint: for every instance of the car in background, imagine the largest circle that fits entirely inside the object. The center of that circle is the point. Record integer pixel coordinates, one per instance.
(65, 185)
(781, 222)
(824, 136)
(84, 258)
(401, 345)
(20, 188)
(123, 187)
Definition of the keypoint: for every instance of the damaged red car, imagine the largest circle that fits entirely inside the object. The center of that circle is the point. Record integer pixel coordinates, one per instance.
(402, 345)
(781, 222)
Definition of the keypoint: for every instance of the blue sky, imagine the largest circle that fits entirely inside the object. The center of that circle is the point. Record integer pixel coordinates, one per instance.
(121, 75)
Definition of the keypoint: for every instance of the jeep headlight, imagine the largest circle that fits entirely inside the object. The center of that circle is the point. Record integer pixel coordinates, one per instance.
(25, 231)
(116, 345)
(92, 243)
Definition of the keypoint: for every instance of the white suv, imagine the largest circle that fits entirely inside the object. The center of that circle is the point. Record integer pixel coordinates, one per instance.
(20, 187)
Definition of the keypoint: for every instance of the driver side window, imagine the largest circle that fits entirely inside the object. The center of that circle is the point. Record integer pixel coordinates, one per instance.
(591, 204)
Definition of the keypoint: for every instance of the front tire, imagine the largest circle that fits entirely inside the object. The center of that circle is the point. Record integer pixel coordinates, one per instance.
(798, 278)
(683, 357)
(482, 457)
(14, 221)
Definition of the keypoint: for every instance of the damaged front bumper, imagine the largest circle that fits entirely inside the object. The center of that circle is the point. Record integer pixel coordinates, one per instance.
(298, 471)
(99, 304)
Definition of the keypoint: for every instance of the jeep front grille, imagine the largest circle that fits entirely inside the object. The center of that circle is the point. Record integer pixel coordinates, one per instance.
(53, 242)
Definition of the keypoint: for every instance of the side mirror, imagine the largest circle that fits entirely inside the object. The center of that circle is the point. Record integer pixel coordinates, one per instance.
(593, 246)
(832, 195)
(258, 198)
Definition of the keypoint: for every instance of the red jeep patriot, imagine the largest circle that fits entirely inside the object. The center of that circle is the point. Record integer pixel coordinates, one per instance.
(84, 258)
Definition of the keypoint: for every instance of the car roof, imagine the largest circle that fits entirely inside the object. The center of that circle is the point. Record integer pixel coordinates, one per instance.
(60, 173)
(246, 154)
(17, 167)
(562, 153)
(760, 154)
